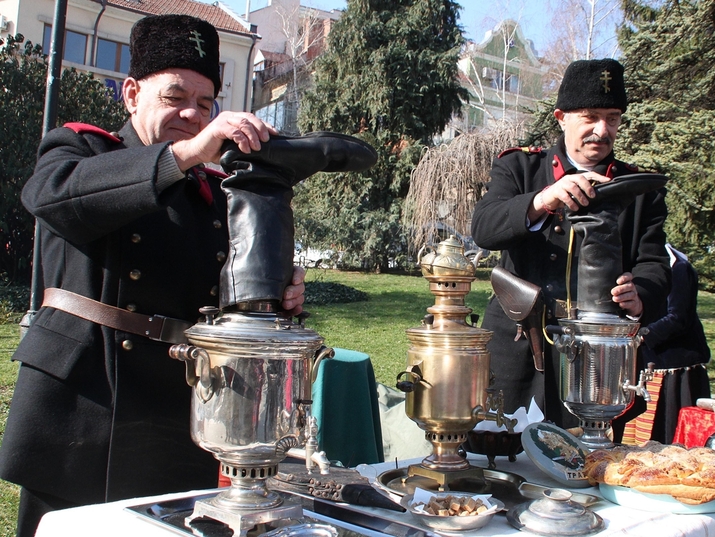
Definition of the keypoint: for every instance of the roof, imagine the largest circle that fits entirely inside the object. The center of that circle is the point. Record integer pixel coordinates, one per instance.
(216, 13)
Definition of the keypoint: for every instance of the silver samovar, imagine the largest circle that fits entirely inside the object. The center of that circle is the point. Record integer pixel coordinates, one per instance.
(251, 366)
(447, 377)
(252, 374)
(598, 345)
(598, 370)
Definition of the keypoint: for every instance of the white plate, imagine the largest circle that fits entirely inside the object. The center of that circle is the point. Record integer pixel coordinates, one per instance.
(661, 503)
(557, 453)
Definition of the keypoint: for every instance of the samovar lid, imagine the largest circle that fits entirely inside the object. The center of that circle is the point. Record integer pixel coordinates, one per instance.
(448, 260)
(555, 514)
(254, 334)
(602, 325)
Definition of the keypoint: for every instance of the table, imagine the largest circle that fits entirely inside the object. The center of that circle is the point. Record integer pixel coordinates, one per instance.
(694, 427)
(112, 520)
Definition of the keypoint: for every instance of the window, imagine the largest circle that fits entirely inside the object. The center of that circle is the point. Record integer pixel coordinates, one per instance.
(512, 82)
(272, 113)
(112, 56)
(75, 46)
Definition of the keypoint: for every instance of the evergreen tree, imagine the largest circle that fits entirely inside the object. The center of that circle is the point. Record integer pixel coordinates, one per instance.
(389, 75)
(23, 76)
(669, 56)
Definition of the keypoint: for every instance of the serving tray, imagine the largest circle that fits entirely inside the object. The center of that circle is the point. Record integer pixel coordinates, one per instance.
(660, 503)
(510, 488)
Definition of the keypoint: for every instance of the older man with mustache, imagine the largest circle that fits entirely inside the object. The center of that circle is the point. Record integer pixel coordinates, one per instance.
(523, 215)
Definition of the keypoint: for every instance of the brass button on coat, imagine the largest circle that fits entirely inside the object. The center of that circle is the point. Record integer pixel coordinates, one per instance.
(221, 257)
(135, 274)
(132, 307)
(558, 229)
(553, 257)
(136, 238)
(214, 290)
(217, 224)
(127, 344)
(549, 287)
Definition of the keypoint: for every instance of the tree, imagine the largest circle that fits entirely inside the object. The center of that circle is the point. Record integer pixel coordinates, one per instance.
(669, 56)
(23, 76)
(390, 76)
(585, 29)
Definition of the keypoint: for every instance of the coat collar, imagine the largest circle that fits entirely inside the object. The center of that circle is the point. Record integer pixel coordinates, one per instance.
(561, 166)
(130, 136)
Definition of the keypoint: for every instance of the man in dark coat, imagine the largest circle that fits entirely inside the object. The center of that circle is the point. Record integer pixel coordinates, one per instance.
(677, 346)
(131, 220)
(523, 215)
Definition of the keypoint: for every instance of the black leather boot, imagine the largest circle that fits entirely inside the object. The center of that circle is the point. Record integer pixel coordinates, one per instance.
(297, 158)
(600, 260)
(259, 265)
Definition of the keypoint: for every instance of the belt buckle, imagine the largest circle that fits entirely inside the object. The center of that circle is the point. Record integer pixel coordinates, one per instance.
(168, 330)
(560, 309)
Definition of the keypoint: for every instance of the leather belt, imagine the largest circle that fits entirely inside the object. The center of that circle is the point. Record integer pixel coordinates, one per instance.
(156, 327)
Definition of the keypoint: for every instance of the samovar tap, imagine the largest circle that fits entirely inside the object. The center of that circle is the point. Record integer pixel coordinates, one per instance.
(640, 388)
(495, 412)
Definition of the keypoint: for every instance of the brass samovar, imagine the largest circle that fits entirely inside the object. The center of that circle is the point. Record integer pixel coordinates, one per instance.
(447, 377)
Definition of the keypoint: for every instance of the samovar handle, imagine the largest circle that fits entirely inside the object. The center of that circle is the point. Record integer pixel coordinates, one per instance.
(563, 340)
(422, 251)
(474, 256)
(408, 386)
(323, 352)
(208, 380)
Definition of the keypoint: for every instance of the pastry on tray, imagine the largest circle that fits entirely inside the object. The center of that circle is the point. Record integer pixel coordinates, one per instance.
(688, 475)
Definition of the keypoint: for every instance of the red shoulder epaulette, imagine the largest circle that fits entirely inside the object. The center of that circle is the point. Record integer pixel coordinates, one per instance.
(526, 149)
(82, 128)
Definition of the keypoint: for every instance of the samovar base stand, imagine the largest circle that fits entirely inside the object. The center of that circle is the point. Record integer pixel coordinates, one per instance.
(444, 479)
(241, 521)
(595, 434)
(247, 502)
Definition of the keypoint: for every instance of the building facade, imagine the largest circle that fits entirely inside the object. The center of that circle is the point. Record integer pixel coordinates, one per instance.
(97, 38)
(292, 36)
(504, 77)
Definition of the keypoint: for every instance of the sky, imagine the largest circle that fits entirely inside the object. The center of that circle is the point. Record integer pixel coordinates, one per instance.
(476, 16)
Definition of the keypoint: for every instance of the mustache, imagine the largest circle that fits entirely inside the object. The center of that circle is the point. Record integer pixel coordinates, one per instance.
(597, 139)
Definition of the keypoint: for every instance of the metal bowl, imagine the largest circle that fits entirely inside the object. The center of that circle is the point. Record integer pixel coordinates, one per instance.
(452, 523)
(494, 444)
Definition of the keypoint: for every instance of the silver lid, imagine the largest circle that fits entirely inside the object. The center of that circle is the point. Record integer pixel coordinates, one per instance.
(555, 514)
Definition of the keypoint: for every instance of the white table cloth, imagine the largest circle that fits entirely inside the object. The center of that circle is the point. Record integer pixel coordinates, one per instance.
(113, 520)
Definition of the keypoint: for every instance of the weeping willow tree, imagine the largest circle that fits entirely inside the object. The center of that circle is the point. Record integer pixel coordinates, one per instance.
(449, 180)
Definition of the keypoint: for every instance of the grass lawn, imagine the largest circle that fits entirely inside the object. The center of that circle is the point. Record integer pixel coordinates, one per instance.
(376, 326)
(9, 493)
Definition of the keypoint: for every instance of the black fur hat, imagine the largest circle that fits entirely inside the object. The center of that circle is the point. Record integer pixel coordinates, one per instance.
(161, 42)
(593, 84)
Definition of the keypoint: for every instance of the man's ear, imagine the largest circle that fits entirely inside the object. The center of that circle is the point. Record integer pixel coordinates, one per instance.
(559, 115)
(130, 93)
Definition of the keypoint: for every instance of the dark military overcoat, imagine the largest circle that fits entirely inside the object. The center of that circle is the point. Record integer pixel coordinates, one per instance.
(98, 414)
(540, 257)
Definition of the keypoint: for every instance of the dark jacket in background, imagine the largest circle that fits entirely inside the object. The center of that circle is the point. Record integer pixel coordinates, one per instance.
(676, 344)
